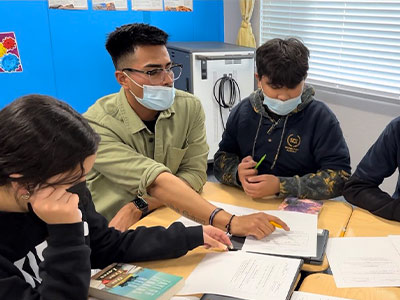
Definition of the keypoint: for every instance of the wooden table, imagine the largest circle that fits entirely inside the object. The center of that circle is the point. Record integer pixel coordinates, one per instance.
(363, 223)
(324, 284)
(333, 216)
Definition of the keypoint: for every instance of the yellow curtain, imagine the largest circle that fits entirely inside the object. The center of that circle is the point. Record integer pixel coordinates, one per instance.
(245, 35)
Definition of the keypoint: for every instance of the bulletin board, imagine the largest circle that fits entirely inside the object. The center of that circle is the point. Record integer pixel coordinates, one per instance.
(63, 51)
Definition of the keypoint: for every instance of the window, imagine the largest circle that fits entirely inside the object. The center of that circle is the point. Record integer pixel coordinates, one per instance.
(354, 45)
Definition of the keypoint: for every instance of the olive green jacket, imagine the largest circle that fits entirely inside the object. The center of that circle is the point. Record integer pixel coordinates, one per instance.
(130, 156)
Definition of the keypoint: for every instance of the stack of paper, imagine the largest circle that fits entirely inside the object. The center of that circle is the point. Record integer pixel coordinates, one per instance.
(244, 275)
(364, 261)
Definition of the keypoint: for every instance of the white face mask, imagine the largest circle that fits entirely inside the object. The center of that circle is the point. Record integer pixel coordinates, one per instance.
(155, 97)
(280, 107)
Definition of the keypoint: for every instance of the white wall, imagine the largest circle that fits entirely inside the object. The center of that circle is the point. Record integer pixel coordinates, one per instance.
(361, 120)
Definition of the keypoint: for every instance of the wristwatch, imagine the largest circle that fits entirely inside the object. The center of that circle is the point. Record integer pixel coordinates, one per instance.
(141, 204)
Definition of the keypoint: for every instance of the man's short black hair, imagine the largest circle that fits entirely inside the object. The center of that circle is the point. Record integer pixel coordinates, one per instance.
(124, 40)
(284, 62)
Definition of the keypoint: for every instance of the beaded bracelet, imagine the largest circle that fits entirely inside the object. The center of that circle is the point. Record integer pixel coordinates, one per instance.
(228, 226)
(215, 211)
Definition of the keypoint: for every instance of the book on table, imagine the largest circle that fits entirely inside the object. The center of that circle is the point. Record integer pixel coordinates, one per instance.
(126, 282)
(301, 205)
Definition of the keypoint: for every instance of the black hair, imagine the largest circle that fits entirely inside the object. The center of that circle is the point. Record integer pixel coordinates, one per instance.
(40, 137)
(283, 62)
(125, 39)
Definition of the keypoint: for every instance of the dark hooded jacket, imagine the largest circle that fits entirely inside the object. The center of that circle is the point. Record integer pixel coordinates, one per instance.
(380, 162)
(305, 149)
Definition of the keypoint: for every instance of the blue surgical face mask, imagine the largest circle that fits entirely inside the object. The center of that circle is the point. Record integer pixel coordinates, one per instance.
(155, 97)
(280, 107)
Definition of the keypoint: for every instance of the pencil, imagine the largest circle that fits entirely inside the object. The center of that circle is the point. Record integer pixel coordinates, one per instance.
(276, 224)
(260, 161)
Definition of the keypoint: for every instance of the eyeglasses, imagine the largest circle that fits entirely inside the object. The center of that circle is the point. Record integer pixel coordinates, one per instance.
(157, 76)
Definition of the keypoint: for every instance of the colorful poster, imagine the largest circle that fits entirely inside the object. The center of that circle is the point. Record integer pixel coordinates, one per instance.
(110, 4)
(10, 60)
(178, 5)
(147, 5)
(68, 4)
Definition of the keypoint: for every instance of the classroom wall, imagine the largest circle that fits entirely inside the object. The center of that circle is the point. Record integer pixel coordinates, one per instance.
(362, 120)
(63, 53)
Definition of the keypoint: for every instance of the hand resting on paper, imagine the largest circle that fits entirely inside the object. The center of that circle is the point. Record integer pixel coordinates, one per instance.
(215, 238)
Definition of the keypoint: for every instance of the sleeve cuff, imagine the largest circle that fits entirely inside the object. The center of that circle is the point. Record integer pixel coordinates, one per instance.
(196, 183)
(289, 186)
(194, 236)
(149, 176)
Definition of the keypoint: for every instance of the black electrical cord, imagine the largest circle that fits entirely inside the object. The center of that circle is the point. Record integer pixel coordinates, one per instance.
(233, 94)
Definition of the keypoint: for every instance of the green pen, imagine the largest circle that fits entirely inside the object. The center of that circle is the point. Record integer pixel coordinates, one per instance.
(260, 161)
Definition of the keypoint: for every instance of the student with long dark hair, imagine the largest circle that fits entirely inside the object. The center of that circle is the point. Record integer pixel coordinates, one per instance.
(50, 233)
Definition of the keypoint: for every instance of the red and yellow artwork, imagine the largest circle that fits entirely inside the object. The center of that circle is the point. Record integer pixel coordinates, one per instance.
(10, 60)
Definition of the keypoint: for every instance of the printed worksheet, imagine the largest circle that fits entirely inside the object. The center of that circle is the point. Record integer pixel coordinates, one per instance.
(244, 275)
(147, 5)
(364, 262)
(309, 296)
(110, 4)
(301, 240)
(178, 5)
(68, 4)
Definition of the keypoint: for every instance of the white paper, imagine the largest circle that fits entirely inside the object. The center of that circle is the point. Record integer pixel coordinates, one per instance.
(243, 275)
(71, 4)
(395, 239)
(147, 5)
(178, 5)
(301, 240)
(309, 296)
(110, 4)
(364, 262)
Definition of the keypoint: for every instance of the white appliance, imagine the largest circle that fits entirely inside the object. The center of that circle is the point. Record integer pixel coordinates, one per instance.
(203, 64)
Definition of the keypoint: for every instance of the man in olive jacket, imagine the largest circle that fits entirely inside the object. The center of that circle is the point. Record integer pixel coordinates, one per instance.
(153, 148)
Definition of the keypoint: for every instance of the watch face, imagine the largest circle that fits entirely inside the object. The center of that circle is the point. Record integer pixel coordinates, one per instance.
(140, 203)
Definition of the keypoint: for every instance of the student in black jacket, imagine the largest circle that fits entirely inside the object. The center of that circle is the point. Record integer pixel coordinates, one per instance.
(306, 155)
(50, 233)
(380, 162)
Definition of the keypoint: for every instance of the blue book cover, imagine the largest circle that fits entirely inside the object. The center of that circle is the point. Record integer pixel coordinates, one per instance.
(126, 281)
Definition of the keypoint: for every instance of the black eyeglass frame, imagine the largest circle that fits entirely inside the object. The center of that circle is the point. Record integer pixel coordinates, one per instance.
(150, 73)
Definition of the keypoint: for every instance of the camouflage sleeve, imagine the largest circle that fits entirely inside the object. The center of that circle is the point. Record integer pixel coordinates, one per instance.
(225, 168)
(325, 184)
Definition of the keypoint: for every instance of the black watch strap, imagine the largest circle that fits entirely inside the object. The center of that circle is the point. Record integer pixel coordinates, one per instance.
(141, 204)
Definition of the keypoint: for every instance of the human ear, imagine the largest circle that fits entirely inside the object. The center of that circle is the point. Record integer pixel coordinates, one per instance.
(122, 79)
(258, 80)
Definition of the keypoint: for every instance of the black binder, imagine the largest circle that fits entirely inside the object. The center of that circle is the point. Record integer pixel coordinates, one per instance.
(322, 241)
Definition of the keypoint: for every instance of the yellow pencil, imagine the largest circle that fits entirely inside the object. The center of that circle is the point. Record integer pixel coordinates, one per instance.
(276, 224)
